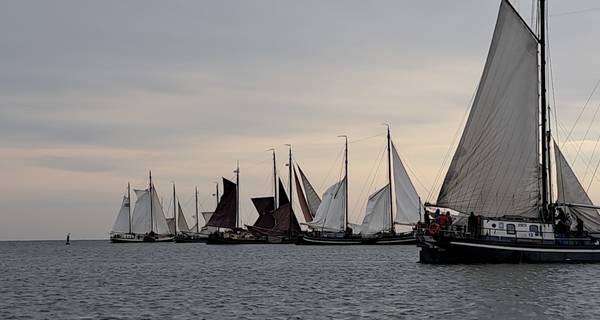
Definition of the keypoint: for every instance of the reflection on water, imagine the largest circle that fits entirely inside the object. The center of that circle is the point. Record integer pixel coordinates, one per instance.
(98, 280)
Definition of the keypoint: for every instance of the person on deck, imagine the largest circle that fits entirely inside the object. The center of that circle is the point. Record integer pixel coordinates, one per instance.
(426, 219)
(449, 218)
(472, 224)
(580, 229)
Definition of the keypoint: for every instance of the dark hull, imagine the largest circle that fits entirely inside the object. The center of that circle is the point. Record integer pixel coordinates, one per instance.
(215, 239)
(140, 239)
(400, 239)
(186, 238)
(465, 251)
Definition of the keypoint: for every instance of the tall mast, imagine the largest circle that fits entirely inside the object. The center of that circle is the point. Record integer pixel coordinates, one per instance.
(346, 178)
(237, 194)
(151, 214)
(217, 193)
(197, 221)
(274, 179)
(389, 156)
(290, 192)
(129, 203)
(174, 209)
(545, 134)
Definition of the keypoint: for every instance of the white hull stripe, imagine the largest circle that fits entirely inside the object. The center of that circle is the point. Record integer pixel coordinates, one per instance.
(490, 246)
(330, 241)
(396, 241)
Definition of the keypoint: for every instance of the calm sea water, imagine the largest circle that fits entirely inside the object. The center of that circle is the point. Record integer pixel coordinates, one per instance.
(99, 280)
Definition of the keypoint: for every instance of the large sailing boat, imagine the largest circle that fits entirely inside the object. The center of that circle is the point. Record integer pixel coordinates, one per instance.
(496, 175)
(147, 223)
(194, 233)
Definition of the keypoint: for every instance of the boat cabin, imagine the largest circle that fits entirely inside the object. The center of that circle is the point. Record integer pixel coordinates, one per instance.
(521, 230)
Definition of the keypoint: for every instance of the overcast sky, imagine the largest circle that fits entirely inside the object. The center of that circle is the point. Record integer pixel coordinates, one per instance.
(93, 94)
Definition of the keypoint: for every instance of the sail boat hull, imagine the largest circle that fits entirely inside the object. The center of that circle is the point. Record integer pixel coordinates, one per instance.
(138, 238)
(451, 251)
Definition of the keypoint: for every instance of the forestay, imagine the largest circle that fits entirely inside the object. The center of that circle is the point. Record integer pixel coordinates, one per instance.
(494, 171)
(122, 221)
(331, 213)
(409, 209)
(377, 213)
(571, 191)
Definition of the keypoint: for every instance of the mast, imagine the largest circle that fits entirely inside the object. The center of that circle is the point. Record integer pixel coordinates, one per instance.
(237, 194)
(197, 221)
(545, 133)
(389, 156)
(274, 179)
(217, 193)
(346, 178)
(129, 202)
(174, 209)
(151, 205)
(290, 192)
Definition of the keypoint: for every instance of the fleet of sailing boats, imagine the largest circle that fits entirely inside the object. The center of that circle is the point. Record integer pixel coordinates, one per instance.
(500, 184)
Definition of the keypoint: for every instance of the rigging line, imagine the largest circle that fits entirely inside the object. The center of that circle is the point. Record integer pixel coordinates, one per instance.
(331, 169)
(594, 174)
(582, 111)
(589, 163)
(586, 133)
(574, 12)
(366, 138)
(371, 177)
(451, 146)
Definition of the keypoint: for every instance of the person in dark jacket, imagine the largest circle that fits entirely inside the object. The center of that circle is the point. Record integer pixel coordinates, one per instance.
(472, 223)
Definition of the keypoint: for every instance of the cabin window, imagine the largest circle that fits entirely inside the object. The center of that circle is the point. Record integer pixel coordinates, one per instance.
(535, 229)
(510, 229)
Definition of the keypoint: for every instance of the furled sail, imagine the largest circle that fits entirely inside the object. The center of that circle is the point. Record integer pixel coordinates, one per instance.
(312, 198)
(122, 221)
(331, 213)
(494, 171)
(408, 204)
(308, 216)
(377, 214)
(225, 213)
(146, 220)
(181, 222)
(571, 191)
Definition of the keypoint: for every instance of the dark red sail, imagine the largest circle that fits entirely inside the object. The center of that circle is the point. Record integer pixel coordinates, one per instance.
(280, 218)
(265, 207)
(225, 215)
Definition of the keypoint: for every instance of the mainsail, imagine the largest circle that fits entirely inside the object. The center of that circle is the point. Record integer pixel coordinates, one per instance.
(146, 220)
(264, 206)
(495, 171)
(225, 213)
(377, 214)
(570, 191)
(122, 221)
(408, 204)
(312, 198)
(331, 213)
(274, 222)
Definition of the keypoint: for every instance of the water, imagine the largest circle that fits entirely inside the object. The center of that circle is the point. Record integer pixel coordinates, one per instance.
(99, 280)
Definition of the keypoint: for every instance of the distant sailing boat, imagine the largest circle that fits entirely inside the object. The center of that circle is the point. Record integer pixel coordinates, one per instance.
(146, 224)
(192, 234)
(496, 172)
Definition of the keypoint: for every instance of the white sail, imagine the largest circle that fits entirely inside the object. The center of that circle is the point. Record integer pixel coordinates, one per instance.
(144, 220)
(331, 213)
(171, 225)
(122, 221)
(571, 191)
(377, 214)
(494, 171)
(312, 198)
(409, 209)
(181, 222)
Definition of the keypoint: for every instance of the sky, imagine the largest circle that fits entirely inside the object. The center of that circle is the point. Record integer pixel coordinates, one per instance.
(93, 94)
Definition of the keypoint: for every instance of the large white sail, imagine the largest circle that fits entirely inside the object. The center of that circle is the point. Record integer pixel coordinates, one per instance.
(409, 209)
(145, 221)
(571, 191)
(181, 222)
(377, 213)
(122, 221)
(494, 171)
(331, 213)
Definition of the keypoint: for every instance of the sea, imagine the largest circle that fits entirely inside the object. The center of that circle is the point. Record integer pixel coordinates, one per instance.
(100, 280)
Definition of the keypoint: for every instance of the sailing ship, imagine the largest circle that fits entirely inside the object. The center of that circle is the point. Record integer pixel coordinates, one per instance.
(331, 227)
(147, 223)
(193, 234)
(496, 175)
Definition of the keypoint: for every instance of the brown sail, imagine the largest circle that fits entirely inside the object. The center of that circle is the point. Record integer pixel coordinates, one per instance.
(280, 218)
(225, 213)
